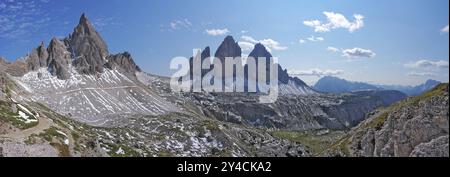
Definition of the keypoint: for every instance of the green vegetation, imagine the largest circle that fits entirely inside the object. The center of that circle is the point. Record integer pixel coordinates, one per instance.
(8, 115)
(54, 137)
(51, 133)
(126, 151)
(341, 146)
(62, 149)
(31, 140)
(165, 153)
(315, 143)
(210, 125)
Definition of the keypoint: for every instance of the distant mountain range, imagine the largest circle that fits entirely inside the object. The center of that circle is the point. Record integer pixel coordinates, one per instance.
(413, 90)
(330, 84)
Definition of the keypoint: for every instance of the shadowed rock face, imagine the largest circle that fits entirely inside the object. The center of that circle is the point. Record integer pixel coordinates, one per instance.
(88, 48)
(38, 58)
(59, 59)
(122, 62)
(228, 48)
(42, 54)
(84, 49)
(206, 53)
(260, 52)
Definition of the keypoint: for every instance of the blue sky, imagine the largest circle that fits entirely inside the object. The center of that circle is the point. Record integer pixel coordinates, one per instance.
(384, 41)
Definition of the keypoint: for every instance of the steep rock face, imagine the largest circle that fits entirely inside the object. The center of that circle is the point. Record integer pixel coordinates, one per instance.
(260, 52)
(288, 85)
(59, 59)
(37, 58)
(33, 60)
(88, 48)
(123, 62)
(289, 112)
(42, 54)
(206, 54)
(228, 48)
(418, 126)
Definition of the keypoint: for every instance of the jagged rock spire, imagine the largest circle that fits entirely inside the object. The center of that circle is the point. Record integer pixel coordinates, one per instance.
(59, 59)
(88, 47)
(228, 48)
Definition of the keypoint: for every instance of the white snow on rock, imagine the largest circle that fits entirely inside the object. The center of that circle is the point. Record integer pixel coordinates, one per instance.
(26, 118)
(94, 99)
(120, 151)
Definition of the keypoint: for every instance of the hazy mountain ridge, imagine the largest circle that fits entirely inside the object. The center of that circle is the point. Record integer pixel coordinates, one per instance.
(330, 84)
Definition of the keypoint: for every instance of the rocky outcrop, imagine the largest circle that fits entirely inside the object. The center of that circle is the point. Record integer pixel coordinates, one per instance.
(87, 47)
(259, 52)
(228, 48)
(206, 54)
(122, 62)
(17, 68)
(84, 49)
(59, 59)
(434, 148)
(418, 126)
(37, 58)
(33, 60)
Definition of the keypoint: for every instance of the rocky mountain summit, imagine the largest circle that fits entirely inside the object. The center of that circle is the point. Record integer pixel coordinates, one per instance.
(84, 49)
(88, 48)
(229, 49)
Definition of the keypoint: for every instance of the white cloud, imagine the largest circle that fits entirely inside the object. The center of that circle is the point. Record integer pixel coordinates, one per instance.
(315, 39)
(249, 39)
(217, 32)
(445, 29)
(421, 74)
(22, 19)
(270, 44)
(246, 46)
(332, 49)
(358, 53)
(101, 23)
(335, 21)
(427, 64)
(244, 31)
(315, 72)
(301, 41)
(178, 24)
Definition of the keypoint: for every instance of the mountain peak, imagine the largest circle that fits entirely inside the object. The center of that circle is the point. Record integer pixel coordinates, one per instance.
(260, 51)
(88, 47)
(83, 18)
(85, 26)
(432, 82)
(228, 48)
(229, 38)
